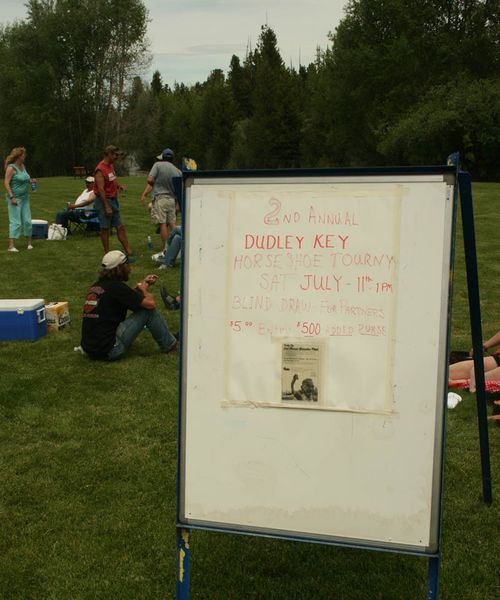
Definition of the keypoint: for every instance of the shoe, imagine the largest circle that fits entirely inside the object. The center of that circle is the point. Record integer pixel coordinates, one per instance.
(12, 249)
(158, 257)
(30, 247)
(173, 348)
(169, 301)
(131, 259)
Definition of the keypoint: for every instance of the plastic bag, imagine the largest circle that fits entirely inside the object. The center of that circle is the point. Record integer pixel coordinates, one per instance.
(57, 232)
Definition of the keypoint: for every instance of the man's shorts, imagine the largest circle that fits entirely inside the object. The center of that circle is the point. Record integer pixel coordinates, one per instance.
(163, 209)
(105, 221)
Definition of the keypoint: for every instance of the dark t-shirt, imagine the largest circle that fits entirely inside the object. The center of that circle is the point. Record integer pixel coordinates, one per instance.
(105, 308)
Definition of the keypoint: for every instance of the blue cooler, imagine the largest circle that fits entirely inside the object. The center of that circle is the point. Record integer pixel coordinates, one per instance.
(40, 229)
(22, 319)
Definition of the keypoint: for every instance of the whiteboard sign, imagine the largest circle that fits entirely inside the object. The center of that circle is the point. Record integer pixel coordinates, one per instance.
(315, 329)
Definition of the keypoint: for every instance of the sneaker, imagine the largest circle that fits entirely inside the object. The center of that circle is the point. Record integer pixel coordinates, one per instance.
(30, 247)
(131, 259)
(158, 257)
(12, 249)
(169, 301)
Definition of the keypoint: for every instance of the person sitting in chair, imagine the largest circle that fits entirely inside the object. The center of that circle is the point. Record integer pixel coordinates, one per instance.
(74, 211)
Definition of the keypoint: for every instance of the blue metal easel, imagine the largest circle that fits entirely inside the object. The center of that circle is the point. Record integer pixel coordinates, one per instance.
(464, 188)
(183, 564)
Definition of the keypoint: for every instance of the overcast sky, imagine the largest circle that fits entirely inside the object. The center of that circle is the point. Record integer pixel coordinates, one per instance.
(189, 38)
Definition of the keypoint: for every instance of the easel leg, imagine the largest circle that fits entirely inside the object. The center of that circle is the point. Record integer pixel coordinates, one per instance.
(183, 560)
(464, 181)
(433, 578)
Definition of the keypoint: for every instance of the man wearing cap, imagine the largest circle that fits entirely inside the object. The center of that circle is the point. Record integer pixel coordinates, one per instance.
(160, 182)
(74, 211)
(107, 333)
(106, 188)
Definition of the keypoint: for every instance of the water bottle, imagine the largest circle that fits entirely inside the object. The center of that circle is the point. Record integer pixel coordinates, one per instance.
(33, 185)
(150, 243)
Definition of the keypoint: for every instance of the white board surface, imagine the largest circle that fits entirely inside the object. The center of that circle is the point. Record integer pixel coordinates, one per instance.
(315, 331)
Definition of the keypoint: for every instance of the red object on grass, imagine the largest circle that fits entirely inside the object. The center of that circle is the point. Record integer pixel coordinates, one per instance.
(491, 386)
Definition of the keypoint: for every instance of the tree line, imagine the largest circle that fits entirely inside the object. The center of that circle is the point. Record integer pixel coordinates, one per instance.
(65, 75)
(400, 82)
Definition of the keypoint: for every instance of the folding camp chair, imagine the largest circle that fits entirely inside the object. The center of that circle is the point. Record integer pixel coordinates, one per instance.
(83, 221)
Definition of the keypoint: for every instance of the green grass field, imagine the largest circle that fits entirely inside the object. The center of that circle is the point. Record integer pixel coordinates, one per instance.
(88, 454)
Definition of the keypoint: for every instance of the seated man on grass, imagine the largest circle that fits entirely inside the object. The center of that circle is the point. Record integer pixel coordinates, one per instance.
(107, 332)
(172, 250)
(74, 211)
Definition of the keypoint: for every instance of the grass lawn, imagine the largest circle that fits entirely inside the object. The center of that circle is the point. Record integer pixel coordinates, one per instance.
(88, 454)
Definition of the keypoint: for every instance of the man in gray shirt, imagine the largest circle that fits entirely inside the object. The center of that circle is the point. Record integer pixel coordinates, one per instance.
(164, 199)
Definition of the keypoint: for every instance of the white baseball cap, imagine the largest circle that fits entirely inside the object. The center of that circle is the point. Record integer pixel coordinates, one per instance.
(114, 259)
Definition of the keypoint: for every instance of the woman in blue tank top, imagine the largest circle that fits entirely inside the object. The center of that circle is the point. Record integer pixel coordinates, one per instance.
(17, 185)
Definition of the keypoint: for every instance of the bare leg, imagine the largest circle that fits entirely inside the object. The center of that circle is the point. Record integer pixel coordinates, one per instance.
(490, 366)
(11, 243)
(163, 233)
(461, 370)
(493, 374)
(30, 242)
(122, 236)
(495, 416)
(104, 235)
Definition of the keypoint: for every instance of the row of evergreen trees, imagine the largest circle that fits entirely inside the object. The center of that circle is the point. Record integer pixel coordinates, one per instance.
(400, 82)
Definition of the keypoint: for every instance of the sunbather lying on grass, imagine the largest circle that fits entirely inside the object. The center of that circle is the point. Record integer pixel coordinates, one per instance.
(465, 368)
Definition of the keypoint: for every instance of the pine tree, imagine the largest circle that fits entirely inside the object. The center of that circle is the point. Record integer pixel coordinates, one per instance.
(273, 129)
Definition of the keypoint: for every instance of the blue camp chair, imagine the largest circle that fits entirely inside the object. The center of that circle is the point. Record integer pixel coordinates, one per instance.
(83, 220)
